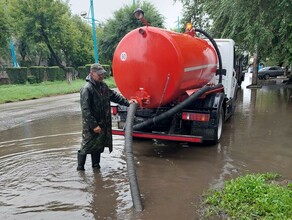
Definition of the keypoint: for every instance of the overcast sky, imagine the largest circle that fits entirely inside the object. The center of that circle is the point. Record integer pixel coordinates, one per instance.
(103, 9)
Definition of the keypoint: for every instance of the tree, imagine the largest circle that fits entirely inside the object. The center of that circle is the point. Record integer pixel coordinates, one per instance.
(82, 52)
(32, 54)
(4, 30)
(259, 27)
(40, 21)
(51, 23)
(247, 26)
(194, 13)
(282, 29)
(122, 23)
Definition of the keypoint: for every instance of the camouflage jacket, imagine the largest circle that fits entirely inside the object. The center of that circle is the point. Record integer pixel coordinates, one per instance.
(95, 98)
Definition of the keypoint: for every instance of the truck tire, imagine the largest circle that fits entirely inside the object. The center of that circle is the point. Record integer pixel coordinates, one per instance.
(220, 125)
(218, 128)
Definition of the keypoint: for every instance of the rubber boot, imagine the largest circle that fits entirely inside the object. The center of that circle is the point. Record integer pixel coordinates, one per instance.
(81, 158)
(95, 158)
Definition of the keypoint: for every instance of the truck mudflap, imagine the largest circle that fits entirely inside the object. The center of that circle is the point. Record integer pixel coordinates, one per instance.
(160, 136)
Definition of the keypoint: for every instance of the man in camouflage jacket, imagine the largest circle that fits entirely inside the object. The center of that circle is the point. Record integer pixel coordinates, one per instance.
(95, 98)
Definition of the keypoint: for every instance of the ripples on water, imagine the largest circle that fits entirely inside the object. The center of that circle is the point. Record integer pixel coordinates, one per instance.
(38, 179)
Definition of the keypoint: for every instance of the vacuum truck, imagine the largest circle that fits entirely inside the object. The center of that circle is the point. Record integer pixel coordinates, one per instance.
(185, 85)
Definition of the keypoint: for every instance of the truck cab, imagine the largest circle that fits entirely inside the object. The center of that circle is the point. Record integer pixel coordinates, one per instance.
(230, 76)
(229, 80)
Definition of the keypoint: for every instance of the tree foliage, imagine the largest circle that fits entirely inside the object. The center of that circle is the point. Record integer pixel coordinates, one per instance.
(194, 13)
(4, 28)
(45, 22)
(122, 23)
(262, 26)
(40, 21)
(79, 51)
(46, 32)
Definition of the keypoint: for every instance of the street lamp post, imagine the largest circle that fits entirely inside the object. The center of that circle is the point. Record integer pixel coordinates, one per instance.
(178, 24)
(94, 32)
(13, 55)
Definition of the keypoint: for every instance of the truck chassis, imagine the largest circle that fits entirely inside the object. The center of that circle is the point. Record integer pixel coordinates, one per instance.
(200, 122)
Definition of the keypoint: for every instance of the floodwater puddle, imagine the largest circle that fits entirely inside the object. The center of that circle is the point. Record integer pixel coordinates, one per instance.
(38, 177)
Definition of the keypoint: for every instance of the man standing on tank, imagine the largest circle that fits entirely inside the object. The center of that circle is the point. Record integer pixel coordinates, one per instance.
(95, 98)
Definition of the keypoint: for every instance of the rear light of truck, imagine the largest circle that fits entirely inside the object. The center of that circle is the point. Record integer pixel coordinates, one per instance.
(190, 116)
(114, 110)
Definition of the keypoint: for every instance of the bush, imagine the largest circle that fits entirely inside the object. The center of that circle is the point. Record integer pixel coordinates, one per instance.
(17, 75)
(36, 74)
(83, 72)
(31, 79)
(60, 74)
(51, 74)
(108, 70)
(54, 73)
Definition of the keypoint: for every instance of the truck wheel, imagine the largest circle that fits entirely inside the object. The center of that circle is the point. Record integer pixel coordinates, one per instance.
(219, 127)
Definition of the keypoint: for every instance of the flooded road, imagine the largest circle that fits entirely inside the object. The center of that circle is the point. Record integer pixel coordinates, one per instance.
(39, 140)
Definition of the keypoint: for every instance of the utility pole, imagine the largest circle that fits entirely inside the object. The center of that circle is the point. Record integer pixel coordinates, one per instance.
(93, 32)
(178, 23)
(11, 44)
(14, 61)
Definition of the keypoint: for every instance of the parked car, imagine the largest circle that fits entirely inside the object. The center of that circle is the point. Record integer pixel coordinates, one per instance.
(270, 71)
(250, 69)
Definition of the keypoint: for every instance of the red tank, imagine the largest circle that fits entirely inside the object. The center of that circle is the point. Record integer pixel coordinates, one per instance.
(161, 65)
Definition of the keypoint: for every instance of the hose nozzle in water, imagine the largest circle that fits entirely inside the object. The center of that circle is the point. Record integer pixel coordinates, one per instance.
(135, 192)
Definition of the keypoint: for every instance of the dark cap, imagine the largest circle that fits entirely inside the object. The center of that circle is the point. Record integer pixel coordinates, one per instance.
(96, 67)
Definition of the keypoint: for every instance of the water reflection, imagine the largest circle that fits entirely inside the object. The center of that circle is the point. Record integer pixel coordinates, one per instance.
(111, 185)
(38, 177)
(262, 132)
(258, 137)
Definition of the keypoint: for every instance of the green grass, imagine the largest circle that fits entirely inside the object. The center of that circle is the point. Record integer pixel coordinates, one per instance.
(13, 93)
(254, 196)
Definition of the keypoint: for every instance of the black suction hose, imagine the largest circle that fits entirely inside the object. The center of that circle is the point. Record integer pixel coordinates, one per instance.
(135, 192)
(175, 109)
(217, 51)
